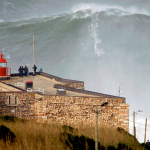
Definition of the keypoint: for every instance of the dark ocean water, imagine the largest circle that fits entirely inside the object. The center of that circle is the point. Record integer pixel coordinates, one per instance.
(105, 45)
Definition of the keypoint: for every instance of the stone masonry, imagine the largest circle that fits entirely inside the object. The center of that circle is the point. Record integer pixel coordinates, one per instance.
(69, 110)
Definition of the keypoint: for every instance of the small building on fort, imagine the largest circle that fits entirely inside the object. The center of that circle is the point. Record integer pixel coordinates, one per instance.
(52, 99)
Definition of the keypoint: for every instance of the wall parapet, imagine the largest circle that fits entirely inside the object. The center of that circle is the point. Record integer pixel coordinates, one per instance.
(50, 76)
(59, 86)
(60, 79)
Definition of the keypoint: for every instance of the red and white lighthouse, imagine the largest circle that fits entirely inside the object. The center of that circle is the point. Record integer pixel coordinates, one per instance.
(4, 70)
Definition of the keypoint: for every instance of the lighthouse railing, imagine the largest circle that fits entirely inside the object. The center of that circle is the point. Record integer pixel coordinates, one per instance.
(8, 71)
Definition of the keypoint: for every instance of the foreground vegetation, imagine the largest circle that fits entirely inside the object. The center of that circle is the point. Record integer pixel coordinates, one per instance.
(21, 134)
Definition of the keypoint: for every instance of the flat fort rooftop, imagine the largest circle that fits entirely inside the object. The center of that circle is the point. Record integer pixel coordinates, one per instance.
(50, 84)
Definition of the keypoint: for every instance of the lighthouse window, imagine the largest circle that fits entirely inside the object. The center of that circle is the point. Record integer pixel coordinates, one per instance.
(2, 65)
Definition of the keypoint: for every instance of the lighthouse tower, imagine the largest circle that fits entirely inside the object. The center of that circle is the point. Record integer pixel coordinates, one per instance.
(4, 70)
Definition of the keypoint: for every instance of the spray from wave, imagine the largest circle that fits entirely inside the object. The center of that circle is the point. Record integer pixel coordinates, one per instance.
(93, 32)
(110, 9)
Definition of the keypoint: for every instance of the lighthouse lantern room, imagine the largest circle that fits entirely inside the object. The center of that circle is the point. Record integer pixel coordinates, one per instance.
(4, 70)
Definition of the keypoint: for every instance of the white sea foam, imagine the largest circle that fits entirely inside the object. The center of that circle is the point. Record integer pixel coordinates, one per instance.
(116, 9)
(93, 32)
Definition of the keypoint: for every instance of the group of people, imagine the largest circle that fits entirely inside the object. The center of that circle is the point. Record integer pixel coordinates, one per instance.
(25, 70)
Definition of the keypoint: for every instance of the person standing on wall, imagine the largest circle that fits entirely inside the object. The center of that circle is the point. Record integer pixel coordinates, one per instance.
(22, 71)
(19, 71)
(34, 67)
(27, 70)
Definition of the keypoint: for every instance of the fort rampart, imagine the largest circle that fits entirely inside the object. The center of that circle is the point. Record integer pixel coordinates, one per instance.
(69, 110)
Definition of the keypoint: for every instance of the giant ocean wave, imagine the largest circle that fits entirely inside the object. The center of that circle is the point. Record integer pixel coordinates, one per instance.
(93, 18)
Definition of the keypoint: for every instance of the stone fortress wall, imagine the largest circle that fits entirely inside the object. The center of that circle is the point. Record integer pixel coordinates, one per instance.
(69, 110)
(64, 109)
